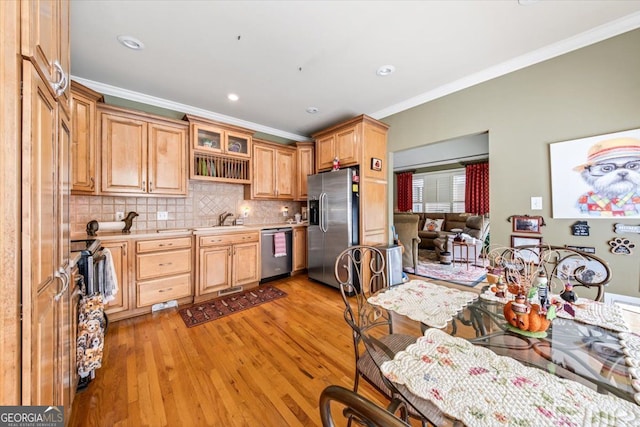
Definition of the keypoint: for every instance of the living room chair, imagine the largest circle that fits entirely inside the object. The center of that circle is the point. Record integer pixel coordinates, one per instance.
(360, 271)
(358, 408)
(406, 226)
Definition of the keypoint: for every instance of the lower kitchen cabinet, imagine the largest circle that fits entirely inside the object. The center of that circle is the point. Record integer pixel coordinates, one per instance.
(117, 309)
(225, 261)
(299, 249)
(163, 270)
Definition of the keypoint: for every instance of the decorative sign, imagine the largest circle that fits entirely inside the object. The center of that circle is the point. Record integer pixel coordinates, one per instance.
(624, 228)
(586, 249)
(620, 246)
(580, 228)
(376, 164)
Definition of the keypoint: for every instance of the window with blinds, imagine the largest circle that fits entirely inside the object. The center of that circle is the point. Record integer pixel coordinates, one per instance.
(439, 191)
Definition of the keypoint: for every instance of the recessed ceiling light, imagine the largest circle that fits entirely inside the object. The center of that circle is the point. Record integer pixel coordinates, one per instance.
(526, 2)
(312, 110)
(385, 70)
(233, 97)
(131, 42)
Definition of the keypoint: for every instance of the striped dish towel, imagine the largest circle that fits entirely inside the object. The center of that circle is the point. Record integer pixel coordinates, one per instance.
(279, 245)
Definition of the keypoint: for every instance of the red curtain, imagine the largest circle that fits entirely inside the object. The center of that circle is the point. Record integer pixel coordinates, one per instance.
(405, 191)
(476, 197)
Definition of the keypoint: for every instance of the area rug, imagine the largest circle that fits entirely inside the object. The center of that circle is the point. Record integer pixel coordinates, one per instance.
(207, 311)
(429, 266)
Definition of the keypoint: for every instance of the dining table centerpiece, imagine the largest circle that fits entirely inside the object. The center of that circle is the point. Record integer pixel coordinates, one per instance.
(529, 310)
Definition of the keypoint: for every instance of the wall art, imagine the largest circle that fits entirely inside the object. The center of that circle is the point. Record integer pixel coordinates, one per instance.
(596, 177)
(621, 246)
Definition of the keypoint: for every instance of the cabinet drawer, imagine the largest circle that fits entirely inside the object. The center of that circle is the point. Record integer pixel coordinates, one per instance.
(163, 244)
(225, 239)
(163, 264)
(161, 290)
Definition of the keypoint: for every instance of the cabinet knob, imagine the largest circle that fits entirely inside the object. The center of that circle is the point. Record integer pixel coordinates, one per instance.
(93, 183)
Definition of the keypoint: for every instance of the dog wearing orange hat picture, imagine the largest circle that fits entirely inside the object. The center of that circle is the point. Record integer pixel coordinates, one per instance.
(612, 171)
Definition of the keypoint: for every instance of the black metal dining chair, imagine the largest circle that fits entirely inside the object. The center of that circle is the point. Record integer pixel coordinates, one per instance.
(357, 408)
(360, 271)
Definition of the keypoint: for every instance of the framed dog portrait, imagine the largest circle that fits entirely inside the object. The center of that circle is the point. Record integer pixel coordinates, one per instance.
(596, 177)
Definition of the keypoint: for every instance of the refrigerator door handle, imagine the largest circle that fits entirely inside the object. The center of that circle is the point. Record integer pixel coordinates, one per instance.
(325, 212)
(321, 215)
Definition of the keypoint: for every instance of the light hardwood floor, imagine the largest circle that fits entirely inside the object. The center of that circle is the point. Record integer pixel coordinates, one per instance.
(265, 366)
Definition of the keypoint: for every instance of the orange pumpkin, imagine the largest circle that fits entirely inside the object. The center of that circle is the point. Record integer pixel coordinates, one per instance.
(532, 321)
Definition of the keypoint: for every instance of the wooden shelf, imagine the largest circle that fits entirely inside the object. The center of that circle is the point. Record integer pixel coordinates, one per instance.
(212, 167)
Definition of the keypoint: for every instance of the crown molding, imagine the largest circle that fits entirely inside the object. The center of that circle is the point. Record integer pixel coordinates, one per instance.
(595, 35)
(130, 95)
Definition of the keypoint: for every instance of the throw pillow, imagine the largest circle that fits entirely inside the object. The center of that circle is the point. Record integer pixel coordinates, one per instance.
(433, 225)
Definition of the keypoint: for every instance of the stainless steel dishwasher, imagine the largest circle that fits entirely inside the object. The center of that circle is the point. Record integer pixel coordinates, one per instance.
(276, 252)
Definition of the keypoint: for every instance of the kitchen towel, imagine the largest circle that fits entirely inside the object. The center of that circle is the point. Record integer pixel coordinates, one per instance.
(279, 245)
(110, 277)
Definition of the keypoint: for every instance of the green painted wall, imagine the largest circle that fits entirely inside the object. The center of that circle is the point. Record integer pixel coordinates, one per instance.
(177, 115)
(591, 91)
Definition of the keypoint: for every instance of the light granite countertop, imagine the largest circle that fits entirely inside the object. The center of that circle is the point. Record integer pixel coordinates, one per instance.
(177, 232)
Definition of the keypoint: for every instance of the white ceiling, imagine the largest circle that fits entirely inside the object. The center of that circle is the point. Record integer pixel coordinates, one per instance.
(281, 57)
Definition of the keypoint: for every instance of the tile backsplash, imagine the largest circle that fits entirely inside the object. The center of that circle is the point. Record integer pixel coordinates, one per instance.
(204, 203)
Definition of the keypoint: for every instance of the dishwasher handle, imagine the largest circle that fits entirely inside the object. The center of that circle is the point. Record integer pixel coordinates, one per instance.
(273, 231)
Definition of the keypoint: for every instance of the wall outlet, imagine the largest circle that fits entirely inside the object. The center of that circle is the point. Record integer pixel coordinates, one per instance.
(162, 215)
(119, 216)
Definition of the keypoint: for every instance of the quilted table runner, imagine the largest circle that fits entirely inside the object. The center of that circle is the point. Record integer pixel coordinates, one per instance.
(434, 305)
(478, 387)
(608, 316)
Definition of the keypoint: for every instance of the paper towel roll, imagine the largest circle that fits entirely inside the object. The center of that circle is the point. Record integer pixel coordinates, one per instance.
(111, 226)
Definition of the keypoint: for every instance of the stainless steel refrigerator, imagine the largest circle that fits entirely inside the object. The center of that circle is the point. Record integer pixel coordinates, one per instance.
(332, 207)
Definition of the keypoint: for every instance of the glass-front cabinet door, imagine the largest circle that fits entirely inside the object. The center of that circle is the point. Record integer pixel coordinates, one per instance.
(210, 139)
(238, 144)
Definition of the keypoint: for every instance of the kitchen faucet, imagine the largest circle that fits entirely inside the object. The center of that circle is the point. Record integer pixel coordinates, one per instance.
(223, 217)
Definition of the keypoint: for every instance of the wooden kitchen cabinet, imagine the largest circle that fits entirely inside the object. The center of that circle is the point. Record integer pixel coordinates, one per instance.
(273, 172)
(163, 270)
(119, 249)
(219, 151)
(305, 166)
(84, 155)
(45, 42)
(343, 143)
(225, 261)
(34, 123)
(299, 249)
(141, 154)
(359, 141)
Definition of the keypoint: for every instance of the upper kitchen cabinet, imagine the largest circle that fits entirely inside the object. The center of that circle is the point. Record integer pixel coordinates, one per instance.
(273, 172)
(361, 141)
(343, 143)
(45, 42)
(84, 156)
(141, 153)
(305, 166)
(219, 152)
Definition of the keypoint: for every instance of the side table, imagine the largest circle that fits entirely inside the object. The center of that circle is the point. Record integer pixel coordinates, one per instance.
(463, 252)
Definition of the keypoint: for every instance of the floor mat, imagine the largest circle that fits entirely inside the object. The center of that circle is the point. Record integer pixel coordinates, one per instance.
(429, 266)
(207, 311)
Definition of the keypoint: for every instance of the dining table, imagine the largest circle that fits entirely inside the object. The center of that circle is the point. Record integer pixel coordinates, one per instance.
(468, 366)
